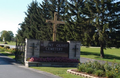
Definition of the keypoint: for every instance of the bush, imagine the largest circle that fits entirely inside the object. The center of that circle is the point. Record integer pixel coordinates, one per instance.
(7, 47)
(89, 70)
(110, 74)
(100, 73)
(2, 49)
(1, 45)
(96, 65)
(103, 70)
(107, 67)
(5, 43)
(81, 68)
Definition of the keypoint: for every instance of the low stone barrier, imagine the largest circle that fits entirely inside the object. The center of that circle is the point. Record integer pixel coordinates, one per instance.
(81, 74)
(50, 64)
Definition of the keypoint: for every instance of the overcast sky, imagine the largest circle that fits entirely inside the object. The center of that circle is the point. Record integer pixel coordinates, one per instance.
(12, 13)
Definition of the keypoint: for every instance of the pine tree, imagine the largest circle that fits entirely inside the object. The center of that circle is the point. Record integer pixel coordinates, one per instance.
(104, 15)
(78, 27)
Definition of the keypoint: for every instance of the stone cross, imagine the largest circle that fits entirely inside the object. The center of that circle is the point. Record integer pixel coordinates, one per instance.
(55, 22)
(33, 47)
(75, 49)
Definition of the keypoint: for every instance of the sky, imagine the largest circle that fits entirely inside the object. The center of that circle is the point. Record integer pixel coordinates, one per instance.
(12, 13)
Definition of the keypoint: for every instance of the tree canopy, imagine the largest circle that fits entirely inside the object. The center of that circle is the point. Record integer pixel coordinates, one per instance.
(93, 22)
(7, 35)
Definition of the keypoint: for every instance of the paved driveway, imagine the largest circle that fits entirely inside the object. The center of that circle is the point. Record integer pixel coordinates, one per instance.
(8, 69)
(84, 60)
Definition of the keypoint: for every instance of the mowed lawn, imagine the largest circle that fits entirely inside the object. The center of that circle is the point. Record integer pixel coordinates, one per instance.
(59, 71)
(9, 43)
(111, 55)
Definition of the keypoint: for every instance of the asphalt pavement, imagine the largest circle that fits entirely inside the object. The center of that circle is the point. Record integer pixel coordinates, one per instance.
(10, 69)
(84, 60)
(11, 46)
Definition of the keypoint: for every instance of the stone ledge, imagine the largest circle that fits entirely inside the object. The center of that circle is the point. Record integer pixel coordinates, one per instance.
(81, 74)
(51, 64)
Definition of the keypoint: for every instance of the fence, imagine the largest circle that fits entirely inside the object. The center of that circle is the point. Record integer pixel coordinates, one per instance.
(20, 51)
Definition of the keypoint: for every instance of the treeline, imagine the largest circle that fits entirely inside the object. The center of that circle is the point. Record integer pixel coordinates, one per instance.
(6, 36)
(93, 22)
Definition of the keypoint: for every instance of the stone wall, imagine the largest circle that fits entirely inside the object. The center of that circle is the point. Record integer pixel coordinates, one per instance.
(32, 49)
(74, 49)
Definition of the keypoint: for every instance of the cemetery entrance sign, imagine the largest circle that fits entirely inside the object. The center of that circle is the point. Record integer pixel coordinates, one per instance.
(54, 49)
(38, 51)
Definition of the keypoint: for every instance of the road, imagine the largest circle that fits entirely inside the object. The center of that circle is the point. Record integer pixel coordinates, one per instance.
(11, 46)
(84, 60)
(9, 69)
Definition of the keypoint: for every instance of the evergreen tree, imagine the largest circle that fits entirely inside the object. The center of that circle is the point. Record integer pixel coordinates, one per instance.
(78, 27)
(104, 15)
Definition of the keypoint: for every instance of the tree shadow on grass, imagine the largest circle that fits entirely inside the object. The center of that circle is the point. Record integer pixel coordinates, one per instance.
(6, 60)
(7, 54)
(97, 55)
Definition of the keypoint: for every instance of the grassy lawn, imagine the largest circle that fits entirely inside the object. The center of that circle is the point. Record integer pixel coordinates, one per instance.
(9, 55)
(9, 43)
(59, 71)
(111, 55)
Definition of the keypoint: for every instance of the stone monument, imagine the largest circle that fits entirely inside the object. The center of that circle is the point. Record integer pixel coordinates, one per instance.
(37, 48)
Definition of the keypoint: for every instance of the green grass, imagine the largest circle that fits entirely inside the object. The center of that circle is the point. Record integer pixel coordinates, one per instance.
(9, 55)
(9, 43)
(111, 55)
(59, 71)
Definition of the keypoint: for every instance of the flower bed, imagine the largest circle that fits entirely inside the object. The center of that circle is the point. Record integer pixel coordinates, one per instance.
(100, 70)
(53, 59)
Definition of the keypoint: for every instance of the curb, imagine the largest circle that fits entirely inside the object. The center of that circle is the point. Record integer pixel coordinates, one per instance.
(80, 74)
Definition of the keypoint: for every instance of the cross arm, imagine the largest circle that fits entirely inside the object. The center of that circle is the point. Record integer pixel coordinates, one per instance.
(51, 21)
(60, 22)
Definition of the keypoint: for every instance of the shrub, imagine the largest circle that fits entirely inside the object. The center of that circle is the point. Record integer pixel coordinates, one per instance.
(110, 74)
(89, 70)
(81, 68)
(118, 76)
(2, 49)
(5, 43)
(104, 70)
(100, 73)
(1, 45)
(7, 47)
(88, 64)
(96, 65)
(107, 67)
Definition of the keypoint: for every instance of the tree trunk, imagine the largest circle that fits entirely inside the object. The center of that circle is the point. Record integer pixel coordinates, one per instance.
(101, 51)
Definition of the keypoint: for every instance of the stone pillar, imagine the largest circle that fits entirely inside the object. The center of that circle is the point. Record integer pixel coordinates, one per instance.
(74, 49)
(32, 48)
